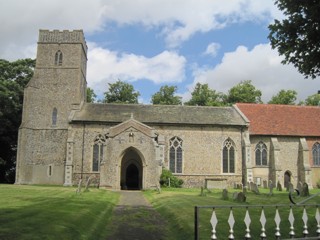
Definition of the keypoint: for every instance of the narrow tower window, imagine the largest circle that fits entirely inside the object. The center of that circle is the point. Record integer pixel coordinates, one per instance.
(54, 116)
(58, 58)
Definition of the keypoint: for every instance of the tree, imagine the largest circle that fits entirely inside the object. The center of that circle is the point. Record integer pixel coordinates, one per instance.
(14, 76)
(202, 95)
(166, 96)
(121, 92)
(287, 97)
(313, 100)
(91, 96)
(244, 92)
(297, 37)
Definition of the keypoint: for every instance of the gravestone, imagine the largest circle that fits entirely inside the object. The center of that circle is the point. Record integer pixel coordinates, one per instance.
(265, 184)
(225, 194)
(255, 189)
(305, 190)
(279, 186)
(291, 188)
(78, 191)
(252, 186)
(235, 196)
(234, 185)
(270, 188)
(202, 193)
(88, 184)
(248, 186)
(241, 197)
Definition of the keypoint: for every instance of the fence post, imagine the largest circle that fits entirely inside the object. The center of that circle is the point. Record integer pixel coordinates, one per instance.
(196, 216)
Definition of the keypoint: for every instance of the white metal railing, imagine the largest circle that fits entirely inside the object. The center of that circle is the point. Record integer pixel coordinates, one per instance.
(250, 213)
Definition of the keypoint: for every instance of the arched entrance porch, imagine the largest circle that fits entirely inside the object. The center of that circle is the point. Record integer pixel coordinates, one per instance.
(131, 171)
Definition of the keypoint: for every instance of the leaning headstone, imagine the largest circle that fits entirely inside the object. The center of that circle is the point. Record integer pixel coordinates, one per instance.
(88, 184)
(248, 186)
(225, 194)
(78, 191)
(241, 197)
(234, 185)
(279, 187)
(265, 184)
(238, 186)
(305, 190)
(255, 189)
(270, 188)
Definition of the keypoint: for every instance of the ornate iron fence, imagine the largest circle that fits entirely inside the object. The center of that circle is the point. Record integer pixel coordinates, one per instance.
(284, 225)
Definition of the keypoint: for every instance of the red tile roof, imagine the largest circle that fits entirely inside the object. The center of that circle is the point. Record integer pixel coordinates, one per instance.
(286, 120)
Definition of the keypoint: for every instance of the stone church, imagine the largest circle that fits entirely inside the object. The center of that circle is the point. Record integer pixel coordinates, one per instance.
(63, 139)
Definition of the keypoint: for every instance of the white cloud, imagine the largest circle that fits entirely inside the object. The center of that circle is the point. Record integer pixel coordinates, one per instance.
(105, 66)
(176, 20)
(212, 49)
(180, 19)
(21, 21)
(263, 66)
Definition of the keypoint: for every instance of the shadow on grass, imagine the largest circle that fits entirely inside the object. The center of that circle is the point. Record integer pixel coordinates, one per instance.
(35, 212)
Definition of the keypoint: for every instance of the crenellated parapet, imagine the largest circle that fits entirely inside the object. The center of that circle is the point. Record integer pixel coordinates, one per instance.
(65, 36)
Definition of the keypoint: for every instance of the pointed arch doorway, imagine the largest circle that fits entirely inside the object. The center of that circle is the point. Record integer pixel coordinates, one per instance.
(131, 170)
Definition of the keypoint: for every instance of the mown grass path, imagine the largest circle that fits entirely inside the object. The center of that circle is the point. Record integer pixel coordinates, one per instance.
(134, 219)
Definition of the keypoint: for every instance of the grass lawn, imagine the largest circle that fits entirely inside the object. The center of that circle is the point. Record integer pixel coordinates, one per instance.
(177, 206)
(54, 212)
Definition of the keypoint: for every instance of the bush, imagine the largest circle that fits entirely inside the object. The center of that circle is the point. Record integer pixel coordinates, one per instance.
(174, 181)
(318, 183)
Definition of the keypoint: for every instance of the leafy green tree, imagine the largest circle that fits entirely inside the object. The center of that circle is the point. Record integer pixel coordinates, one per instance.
(166, 96)
(91, 96)
(297, 37)
(14, 76)
(313, 100)
(202, 95)
(287, 97)
(244, 92)
(121, 92)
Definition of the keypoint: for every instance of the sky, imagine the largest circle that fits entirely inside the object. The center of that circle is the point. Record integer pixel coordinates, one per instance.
(152, 43)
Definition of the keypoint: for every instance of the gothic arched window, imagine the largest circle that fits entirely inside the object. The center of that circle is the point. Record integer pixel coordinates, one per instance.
(175, 158)
(58, 58)
(54, 116)
(261, 154)
(97, 156)
(228, 157)
(316, 154)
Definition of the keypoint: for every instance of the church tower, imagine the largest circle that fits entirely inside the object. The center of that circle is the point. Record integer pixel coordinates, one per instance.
(57, 88)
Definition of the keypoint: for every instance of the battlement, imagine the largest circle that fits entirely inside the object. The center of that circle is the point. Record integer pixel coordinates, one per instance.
(65, 36)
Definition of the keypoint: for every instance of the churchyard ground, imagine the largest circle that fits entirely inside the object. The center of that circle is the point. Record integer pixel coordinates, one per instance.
(55, 212)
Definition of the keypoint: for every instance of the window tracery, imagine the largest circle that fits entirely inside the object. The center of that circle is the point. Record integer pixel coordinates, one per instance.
(261, 154)
(228, 157)
(98, 152)
(175, 155)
